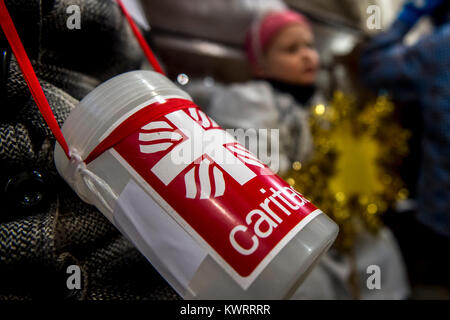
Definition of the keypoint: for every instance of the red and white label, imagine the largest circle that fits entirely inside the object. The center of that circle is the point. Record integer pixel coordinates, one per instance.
(223, 196)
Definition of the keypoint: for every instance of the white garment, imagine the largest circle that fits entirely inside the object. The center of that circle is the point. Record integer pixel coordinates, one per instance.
(256, 105)
(331, 277)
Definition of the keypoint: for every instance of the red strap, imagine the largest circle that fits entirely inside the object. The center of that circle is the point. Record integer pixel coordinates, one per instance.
(140, 38)
(29, 75)
(136, 121)
(141, 118)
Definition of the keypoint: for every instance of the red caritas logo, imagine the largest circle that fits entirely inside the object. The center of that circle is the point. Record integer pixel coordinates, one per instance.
(217, 190)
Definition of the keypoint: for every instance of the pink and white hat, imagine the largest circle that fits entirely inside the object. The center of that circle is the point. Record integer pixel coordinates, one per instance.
(264, 29)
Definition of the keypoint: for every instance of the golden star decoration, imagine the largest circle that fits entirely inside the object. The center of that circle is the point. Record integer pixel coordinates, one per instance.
(352, 174)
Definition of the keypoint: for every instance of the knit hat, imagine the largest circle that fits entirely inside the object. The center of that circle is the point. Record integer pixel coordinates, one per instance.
(264, 29)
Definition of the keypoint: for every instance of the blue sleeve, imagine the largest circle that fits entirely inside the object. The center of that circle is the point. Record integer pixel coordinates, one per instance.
(390, 65)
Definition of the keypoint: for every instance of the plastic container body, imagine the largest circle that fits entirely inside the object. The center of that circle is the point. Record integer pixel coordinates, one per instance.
(228, 269)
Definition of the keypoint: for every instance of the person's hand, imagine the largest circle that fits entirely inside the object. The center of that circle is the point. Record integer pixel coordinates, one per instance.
(413, 10)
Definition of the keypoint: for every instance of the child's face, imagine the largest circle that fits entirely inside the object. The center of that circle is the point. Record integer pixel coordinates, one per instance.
(291, 56)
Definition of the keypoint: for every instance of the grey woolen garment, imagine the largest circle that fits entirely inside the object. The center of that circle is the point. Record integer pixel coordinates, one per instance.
(44, 226)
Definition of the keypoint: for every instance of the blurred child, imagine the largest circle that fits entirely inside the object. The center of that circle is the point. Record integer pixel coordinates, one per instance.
(280, 50)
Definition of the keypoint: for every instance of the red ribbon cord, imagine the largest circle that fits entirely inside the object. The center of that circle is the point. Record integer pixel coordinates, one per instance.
(29, 75)
(136, 121)
(146, 115)
(140, 38)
